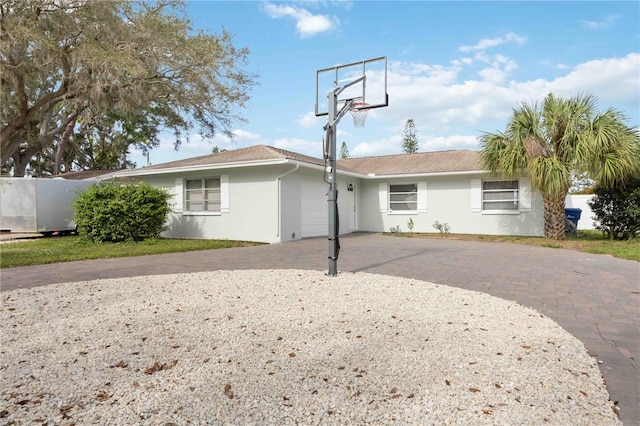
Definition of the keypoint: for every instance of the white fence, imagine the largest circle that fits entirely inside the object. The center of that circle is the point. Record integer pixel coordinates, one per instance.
(580, 202)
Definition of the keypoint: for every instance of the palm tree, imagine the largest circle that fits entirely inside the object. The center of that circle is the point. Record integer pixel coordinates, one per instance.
(561, 136)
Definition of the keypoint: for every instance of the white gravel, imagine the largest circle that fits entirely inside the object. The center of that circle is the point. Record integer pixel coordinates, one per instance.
(287, 347)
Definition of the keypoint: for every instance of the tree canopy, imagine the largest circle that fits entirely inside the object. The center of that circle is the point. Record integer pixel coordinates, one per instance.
(74, 71)
(552, 141)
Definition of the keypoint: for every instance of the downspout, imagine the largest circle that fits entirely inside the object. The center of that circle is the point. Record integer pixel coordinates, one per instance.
(278, 179)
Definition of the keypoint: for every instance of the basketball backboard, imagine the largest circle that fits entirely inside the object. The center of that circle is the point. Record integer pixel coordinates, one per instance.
(372, 90)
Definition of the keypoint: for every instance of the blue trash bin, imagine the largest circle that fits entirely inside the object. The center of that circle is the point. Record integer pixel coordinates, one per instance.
(573, 215)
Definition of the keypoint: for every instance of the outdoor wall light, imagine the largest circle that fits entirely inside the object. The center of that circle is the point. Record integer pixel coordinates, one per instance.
(350, 187)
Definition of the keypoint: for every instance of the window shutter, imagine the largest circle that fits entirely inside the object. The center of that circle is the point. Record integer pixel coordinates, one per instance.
(422, 197)
(178, 192)
(382, 197)
(476, 195)
(224, 194)
(525, 194)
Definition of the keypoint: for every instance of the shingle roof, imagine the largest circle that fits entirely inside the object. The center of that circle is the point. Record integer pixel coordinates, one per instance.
(401, 164)
(417, 163)
(251, 153)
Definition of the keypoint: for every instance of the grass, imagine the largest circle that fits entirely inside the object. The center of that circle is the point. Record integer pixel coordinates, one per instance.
(586, 241)
(70, 248)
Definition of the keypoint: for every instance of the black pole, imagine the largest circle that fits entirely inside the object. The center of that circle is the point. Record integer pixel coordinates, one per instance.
(332, 195)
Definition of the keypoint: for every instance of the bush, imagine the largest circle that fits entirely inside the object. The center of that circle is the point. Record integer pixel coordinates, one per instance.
(121, 212)
(618, 210)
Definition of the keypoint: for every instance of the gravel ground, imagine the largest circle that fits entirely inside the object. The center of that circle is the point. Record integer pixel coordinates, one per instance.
(287, 347)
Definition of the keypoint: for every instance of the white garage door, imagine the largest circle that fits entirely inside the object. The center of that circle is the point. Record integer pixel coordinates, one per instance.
(314, 209)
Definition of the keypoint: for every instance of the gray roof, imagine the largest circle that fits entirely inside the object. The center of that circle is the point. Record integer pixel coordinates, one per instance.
(418, 163)
(401, 164)
(251, 153)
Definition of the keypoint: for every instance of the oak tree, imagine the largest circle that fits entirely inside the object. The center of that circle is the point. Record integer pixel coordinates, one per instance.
(68, 65)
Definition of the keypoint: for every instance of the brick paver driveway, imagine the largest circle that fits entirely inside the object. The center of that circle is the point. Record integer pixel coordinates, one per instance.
(594, 297)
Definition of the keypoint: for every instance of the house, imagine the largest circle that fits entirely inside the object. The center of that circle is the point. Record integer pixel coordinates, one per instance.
(262, 193)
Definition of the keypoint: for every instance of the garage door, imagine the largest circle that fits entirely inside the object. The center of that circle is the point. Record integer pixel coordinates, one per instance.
(314, 209)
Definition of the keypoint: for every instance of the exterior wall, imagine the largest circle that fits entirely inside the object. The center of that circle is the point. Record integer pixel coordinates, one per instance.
(304, 205)
(253, 206)
(265, 204)
(587, 217)
(448, 200)
(289, 206)
(282, 203)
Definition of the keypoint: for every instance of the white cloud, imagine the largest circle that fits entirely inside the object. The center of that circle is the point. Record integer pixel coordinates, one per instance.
(487, 43)
(313, 148)
(457, 106)
(600, 25)
(612, 80)
(307, 24)
(444, 143)
(499, 69)
(244, 136)
(309, 120)
(388, 145)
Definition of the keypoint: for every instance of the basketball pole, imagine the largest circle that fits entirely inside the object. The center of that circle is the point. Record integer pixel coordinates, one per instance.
(333, 119)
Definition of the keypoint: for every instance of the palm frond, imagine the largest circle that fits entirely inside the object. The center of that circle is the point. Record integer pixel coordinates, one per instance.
(499, 155)
(550, 176)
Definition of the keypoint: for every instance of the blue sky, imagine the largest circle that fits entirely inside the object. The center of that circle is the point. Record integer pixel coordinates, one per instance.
(456, 68)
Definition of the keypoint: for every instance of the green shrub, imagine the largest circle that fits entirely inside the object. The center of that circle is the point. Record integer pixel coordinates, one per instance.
(121, 212)
(618, 210)
(444, 228)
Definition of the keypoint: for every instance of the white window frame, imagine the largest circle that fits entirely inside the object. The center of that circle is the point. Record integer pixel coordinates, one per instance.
(392, 202)
(179, 197)
(204, 192)
(506, 189)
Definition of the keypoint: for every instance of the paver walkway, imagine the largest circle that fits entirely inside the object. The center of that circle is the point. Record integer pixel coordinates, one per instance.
(594, 297)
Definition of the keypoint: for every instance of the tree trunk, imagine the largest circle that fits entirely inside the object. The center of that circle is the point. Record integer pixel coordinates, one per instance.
(554, 218)
(21, 159)
(62, 144)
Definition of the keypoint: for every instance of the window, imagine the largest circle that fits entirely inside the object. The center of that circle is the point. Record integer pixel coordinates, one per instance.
(500, 195)
(202, 195)
(403, 197)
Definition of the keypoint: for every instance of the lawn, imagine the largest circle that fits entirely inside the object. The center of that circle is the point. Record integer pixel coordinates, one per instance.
(69, 248)
(586, 241)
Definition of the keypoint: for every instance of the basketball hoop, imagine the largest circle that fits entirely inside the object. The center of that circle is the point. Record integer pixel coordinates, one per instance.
(359, 113)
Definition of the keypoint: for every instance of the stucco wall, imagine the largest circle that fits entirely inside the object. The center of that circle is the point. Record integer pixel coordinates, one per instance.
(253, 212)
(448, 201)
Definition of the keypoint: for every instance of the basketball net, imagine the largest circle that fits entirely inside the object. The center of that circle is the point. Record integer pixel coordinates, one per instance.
(359, 114)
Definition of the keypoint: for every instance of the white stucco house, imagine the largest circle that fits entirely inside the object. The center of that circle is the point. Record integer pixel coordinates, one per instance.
(267, 194)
